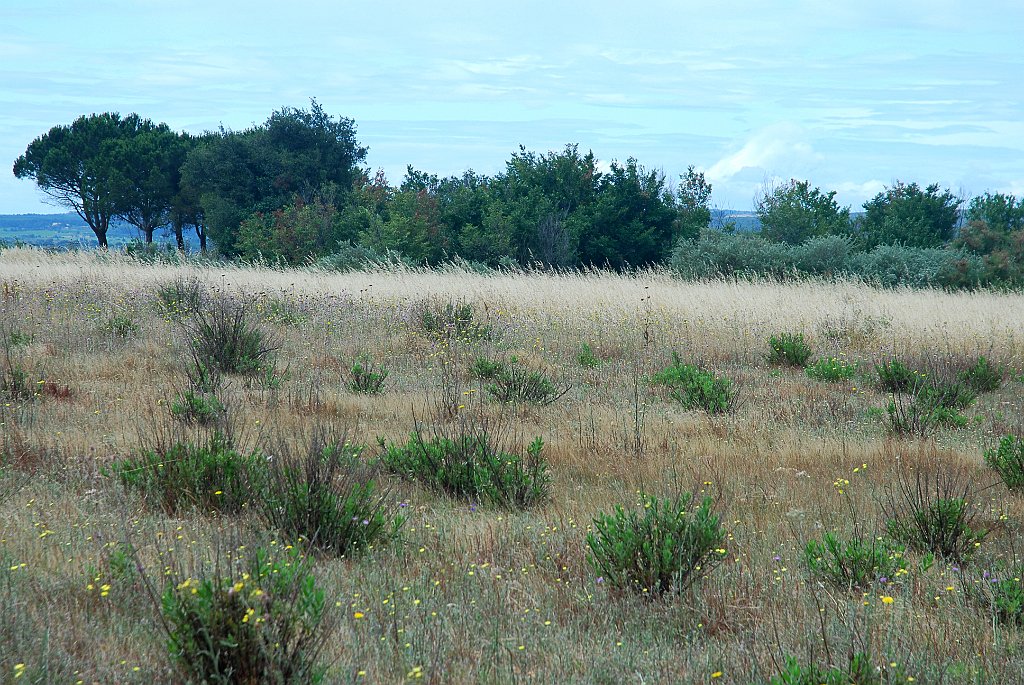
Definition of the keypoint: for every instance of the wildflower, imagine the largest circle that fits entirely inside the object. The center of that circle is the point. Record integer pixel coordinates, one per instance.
(887, 599)
(716, 674)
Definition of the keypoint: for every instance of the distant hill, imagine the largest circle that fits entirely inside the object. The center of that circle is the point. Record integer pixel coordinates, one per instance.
(68, 230)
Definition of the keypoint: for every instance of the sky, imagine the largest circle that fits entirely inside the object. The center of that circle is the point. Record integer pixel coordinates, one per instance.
(851, 97)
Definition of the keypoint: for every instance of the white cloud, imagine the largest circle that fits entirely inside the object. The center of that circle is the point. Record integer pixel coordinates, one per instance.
(779, 148)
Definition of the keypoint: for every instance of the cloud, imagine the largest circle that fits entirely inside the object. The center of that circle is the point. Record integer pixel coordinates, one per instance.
(780, 147)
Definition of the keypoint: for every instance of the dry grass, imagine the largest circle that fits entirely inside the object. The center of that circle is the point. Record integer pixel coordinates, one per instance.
(481, 595)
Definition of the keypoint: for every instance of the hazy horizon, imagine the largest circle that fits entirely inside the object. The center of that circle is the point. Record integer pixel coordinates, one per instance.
(850, 98)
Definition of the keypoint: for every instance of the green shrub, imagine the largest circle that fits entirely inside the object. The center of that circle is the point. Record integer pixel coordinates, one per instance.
(587, 359)
(854, 563)
(319, 496)
(261, 620)
(894, 376)
(1008, 461)
(367, 377)
(226, 336)
(982, 377)
(831, 370)
(1002, 592)
(197, 407)
(665, 544)
(695, 388)
(470, 466)
(933, 515)
(485, 369)
(788, 349)
(859, 671)
(452, 319)
(181, 298)
(212, 477)
(931, 403)
(121, 325)
(515, 385)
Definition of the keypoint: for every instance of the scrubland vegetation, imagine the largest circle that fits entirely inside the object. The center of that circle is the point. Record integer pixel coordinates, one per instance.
(240, 474)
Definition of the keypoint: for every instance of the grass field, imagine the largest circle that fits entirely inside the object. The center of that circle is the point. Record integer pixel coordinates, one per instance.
(472, 591)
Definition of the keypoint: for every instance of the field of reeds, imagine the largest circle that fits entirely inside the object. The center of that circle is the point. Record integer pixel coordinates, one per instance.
(255, 475)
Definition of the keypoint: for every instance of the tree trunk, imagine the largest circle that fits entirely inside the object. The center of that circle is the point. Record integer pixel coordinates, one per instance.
(179, 235)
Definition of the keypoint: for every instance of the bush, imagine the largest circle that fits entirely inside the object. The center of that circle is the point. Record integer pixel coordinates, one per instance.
(930, 403)
(933, 515)
(514, 385)
(195, 406)
(587, 359)
(665, 544)
(226, 336)
(121, 326)
(485, 369)
(452, 319)
(181, 298)
(367, 377)
(831, 370)
(319, 496)
(1008, 461)
(788, 349)
(471, 466)
(261, 620)
(854, 563)
(212, 477)
(894, 376)
(1002, 592)
(694, 388)
(858, 672)
(982, 376)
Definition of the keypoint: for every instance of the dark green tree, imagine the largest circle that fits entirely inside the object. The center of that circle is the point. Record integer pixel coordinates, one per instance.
(995, 231)
(907, 215)
(146, 168)
(74, 166)
(793, 212)
(693, 202)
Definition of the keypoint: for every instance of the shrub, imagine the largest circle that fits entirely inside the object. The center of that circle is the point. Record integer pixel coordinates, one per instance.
(226, 336)
(471, 466)
(831, 370)
(452, 319)
(1002, 592)
(211, 477)
(788, 349)
(514, 385)
(488, 369)
(858, 672)
(197, 407)
(665, 544)
(982, 376)
(894, 376)
(694, 388)
(181, 298)
(261, 620)
(929, 404)
(121, 325)
(587, 359)
(367, 377)
(933, 515)
(1008, 461)
(319, 496)
(854, 563)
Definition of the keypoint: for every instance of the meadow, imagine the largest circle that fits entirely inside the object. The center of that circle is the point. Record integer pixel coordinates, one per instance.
(99, 354)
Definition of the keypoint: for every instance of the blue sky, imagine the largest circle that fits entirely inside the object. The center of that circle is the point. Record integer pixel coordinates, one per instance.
(851, 98)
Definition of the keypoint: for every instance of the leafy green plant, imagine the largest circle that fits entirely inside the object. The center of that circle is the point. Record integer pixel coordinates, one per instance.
(586, 357)
(225, 336)
(859, 671)
(197, 407)
(854, 563)
(485, 369)
(260, 620)
(665, 544)
(516, 384)
(121, 325)
(788, 349)
(929, 404)
(367, 377)
(933, 515)
(695, 388)
(894, 376)
(211, 477)
(1008, 461)
(983, 376)
(470, 465)
(831, 369)
(181, 298)
(1002, 592)
(452, 319)
(319, 496)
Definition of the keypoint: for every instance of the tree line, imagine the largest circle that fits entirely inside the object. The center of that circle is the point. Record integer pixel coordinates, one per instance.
(294, 188)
